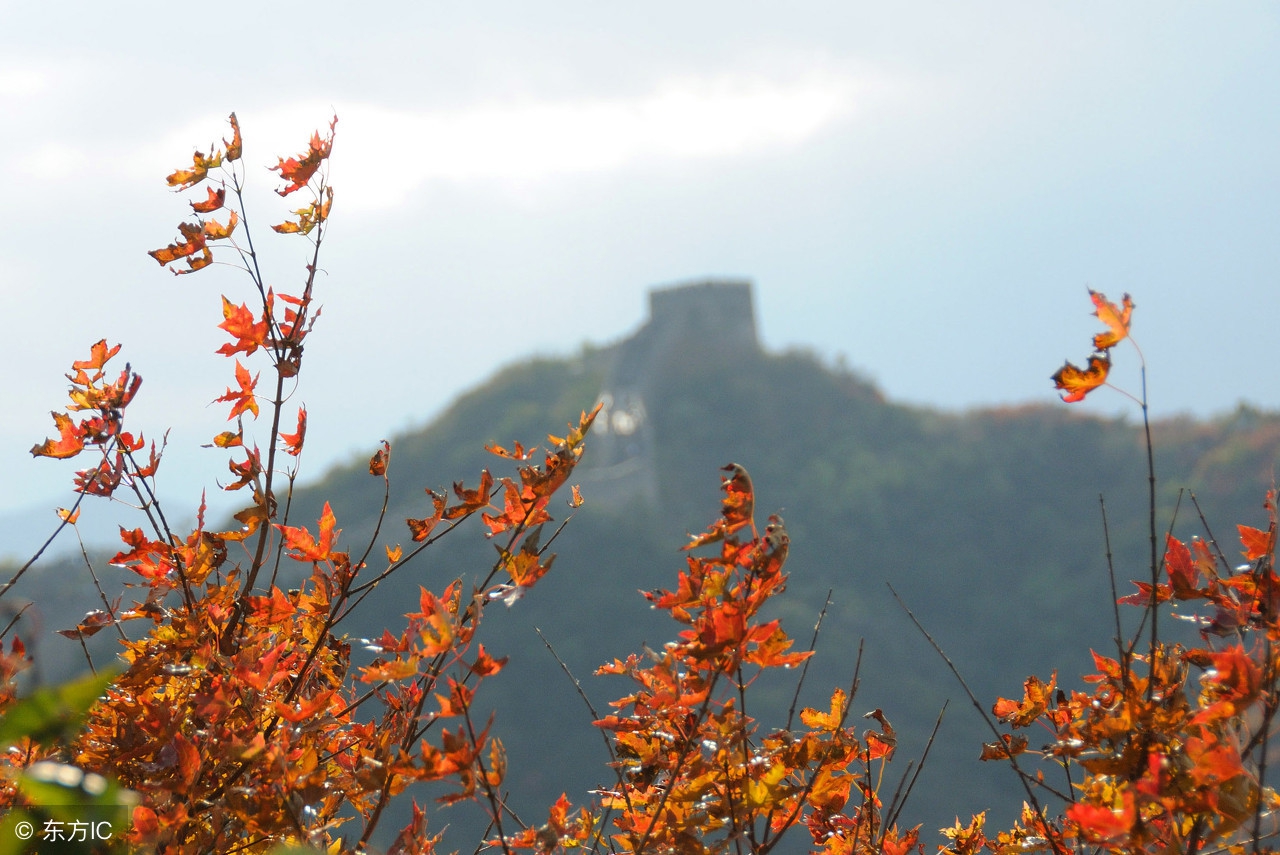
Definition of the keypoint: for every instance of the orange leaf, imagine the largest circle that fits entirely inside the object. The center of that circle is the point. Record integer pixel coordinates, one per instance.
(1098, 823)
(308, 217)
(299, 170)
(396, 669)
(240, 322)
(434, 623)
(269, 611)
(236, 147)
(1077, 382)
(214, 230)
(189, 761)
(1257, 543)
(486, 665)
(183, 179)
(69, 443)
(293, 441)
(93, 622)
(217, 198)
(1212, 762)
(471, 500)
(378, 463)
(1116, 319)
(736, 509)
(306, 547)
(1035, 702)
(1182, 571)
(228, 439)
(192, 241)
(300, 712)
(828, 721)
(194, 264)
(244, 398)
(421, 529)
(99, 354)
(518, 452)
(265, 671)
(1010, 745)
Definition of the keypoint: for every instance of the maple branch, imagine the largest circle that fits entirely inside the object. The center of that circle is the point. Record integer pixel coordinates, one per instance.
(256, 272)
(13, 580)
(1023, 777)
(230, 636)
(1121, 656)
(102, 595)
(162, 528)
(595, 716)
(364, 588)
(804, 669)
(1152, 604)
(16, 615)
(896, 806)
(577, 687)
(772, 840)
(1264, 736)
(284, 521)
(1151, 501)
(496, 804)
(673, 774)
(1213, 541)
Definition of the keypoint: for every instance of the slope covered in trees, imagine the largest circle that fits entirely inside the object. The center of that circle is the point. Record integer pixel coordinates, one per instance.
(987, 523)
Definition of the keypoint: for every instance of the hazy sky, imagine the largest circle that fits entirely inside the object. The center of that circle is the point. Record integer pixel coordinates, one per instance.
(924, 188)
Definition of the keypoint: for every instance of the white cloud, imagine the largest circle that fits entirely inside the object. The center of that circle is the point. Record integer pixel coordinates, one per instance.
(22, 82)
(387, 153)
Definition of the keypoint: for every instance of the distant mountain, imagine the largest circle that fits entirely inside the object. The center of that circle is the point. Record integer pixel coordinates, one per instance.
(988, 524)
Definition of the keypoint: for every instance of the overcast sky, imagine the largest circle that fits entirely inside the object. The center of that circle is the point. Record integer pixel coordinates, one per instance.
(926, 189)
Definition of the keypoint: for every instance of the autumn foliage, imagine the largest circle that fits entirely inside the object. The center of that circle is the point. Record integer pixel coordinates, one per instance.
(237, 721)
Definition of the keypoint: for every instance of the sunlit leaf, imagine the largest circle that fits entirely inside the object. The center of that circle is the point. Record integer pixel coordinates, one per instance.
(183, 179)
(1257, 543)
(299, 170)
(69, 443)
(249, 331)
(420, 529)
(99, 355)
(293, 441)
(236, 146)
(1011, 745)
(1115, 318)
(217, 198)
(243, 398)
(378, 462)
(736, 508)
(1075, 382)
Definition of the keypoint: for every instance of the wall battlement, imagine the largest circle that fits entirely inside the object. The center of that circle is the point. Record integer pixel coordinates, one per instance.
(708, 313)
(718, 307)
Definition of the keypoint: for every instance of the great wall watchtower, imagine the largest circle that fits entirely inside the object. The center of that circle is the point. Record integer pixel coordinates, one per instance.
(709, 313)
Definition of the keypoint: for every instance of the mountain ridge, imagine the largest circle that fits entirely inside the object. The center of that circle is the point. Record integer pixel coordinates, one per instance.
(986, 522)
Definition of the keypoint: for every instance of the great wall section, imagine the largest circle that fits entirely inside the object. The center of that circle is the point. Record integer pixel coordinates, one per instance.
(716, 313)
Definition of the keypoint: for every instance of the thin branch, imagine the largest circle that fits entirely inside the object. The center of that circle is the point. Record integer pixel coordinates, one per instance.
(896, 805)
(1024, 778)
(804, 669)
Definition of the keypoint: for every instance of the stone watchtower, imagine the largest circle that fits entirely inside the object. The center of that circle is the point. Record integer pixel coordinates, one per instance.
(619, 467)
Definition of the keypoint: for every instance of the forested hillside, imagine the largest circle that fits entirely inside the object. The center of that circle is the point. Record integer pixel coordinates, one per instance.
(987, 523)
